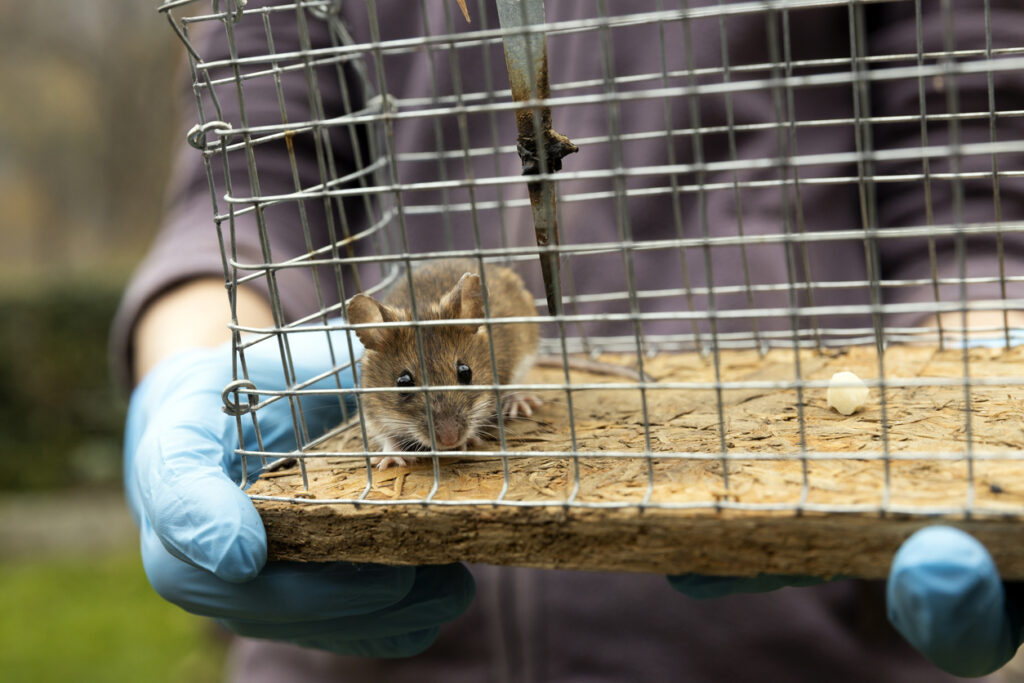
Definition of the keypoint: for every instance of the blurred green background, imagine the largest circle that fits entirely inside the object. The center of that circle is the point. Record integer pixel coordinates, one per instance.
(87, 122)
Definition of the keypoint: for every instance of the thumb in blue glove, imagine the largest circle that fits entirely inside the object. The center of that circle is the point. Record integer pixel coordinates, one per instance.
(946, 598)
(203, 543)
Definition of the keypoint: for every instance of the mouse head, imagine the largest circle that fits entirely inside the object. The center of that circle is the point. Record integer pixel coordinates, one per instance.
(453, 355)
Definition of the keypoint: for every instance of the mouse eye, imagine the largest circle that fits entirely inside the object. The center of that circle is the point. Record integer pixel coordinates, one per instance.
(464, 373)
(405, 380)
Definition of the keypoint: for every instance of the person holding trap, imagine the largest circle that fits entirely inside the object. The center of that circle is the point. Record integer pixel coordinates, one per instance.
(813, 171)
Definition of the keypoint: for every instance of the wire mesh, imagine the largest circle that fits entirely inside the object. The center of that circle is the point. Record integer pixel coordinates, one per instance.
(788, 177)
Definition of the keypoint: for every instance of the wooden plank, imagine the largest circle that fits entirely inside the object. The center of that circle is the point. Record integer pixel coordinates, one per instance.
(922, 420)
(659, 541)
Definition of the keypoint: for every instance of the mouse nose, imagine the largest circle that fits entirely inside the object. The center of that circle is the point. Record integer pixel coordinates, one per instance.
(447, 434)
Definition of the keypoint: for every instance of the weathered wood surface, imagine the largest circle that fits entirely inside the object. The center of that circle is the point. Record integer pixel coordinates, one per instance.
(921, 420)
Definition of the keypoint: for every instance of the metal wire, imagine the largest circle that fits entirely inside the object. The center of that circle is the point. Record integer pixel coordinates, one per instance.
(778, 174)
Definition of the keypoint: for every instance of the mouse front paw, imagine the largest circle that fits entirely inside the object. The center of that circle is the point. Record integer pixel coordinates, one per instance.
(521, 405)
(384, 462)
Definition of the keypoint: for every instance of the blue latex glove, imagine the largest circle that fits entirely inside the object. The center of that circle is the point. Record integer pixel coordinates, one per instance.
(705, 587)
(946, 598)
(204, 547)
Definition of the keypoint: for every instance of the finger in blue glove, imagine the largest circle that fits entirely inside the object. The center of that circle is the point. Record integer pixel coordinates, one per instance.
(946, 598)
(703, 587)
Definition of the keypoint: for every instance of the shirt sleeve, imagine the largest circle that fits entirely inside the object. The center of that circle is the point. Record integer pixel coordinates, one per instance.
(256, 166)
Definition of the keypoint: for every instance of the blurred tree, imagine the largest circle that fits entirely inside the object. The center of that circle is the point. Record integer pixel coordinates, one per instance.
(60, 416)
(88, 121)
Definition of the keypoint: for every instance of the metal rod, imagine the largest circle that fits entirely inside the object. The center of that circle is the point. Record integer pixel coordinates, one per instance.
(540, 147)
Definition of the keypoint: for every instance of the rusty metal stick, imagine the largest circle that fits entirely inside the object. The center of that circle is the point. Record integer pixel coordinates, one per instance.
(526, 57)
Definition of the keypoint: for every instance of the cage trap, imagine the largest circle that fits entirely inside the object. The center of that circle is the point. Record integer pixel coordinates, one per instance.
(759, 195)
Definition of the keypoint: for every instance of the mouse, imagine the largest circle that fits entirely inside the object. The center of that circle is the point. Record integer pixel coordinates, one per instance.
(456, 354)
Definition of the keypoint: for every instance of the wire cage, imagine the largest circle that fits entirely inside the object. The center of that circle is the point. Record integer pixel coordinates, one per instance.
(753, 197)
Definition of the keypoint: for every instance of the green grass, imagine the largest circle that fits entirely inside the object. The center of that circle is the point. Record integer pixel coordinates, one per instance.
(97, 619)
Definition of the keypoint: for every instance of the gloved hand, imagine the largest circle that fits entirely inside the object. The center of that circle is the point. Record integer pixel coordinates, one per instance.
(946, 598)
(204, 547)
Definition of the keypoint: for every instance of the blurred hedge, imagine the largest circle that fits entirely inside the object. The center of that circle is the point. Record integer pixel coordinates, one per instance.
(61, 418)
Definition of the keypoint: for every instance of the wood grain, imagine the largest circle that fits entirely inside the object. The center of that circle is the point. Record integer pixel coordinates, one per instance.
(535, 527)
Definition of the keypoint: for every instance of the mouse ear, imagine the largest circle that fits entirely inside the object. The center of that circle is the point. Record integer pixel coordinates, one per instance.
(365, 310)
(465, 300)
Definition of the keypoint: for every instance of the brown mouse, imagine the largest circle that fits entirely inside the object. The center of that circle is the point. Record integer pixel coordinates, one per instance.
(456, 354)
